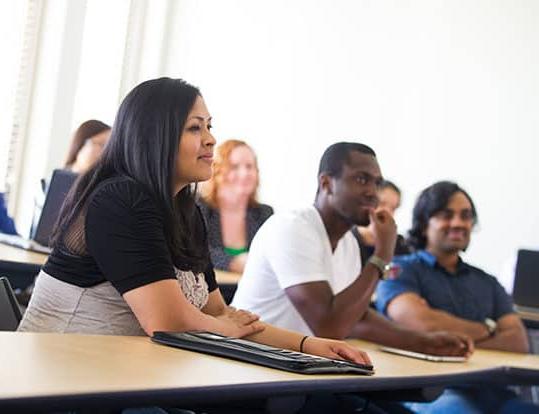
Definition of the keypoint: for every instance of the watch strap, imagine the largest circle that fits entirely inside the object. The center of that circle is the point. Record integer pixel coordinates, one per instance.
(491, 326)
(382, 266)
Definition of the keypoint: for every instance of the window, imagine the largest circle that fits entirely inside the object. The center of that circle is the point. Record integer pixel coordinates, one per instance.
(18, 26)
(102, 56)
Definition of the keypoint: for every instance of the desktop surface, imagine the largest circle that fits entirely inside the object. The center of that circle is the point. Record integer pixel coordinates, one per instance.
(17, 255)
(62, 371)
(394, 365)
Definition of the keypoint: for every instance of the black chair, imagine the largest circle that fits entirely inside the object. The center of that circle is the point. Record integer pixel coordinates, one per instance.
(10, 313)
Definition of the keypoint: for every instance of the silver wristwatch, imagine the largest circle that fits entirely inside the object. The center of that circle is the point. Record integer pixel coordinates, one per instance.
(491, 326)
(382, 266)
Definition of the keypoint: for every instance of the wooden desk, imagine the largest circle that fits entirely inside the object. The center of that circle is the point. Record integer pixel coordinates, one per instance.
(227, 278)
(24, 262)
(20, 266)
(59, 372)
(17, 255)
(530, 319)
(397, 366)
(228, 283)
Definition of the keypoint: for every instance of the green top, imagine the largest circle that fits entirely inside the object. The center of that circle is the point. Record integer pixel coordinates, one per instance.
(235, 252)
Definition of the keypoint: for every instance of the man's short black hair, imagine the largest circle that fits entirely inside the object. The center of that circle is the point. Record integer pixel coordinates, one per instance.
(431, 201)
(336, 155)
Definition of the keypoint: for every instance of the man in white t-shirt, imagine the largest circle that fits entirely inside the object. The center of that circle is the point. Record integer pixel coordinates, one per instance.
(304, 268)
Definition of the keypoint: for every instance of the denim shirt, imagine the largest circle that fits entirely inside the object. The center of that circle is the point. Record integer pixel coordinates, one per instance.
(469, 293)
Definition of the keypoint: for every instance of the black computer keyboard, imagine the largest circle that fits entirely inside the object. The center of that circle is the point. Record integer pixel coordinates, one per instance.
(242, 350)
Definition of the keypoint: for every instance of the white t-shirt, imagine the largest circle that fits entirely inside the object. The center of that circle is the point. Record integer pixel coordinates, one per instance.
(288, 250)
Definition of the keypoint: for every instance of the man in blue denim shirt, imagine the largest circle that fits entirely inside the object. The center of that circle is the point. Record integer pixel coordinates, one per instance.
(435, 289)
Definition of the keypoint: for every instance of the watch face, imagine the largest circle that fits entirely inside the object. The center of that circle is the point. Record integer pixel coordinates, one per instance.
(491, 325)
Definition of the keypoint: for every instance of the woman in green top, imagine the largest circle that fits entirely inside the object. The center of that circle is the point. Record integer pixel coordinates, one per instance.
(229, 204)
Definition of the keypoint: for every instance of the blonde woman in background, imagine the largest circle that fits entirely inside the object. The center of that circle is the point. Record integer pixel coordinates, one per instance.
(230, 207)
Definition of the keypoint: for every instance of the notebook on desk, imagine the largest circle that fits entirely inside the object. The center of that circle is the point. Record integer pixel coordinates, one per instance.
(419, 355)
(247, 351)
(59, 186)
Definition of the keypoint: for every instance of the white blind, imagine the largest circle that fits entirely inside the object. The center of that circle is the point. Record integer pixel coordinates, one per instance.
(14, 140)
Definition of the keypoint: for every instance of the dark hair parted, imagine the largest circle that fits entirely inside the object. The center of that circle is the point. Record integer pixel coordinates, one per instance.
(336, 155)
(144, 146)
(431, 201)
(391, 185)
(84, 132)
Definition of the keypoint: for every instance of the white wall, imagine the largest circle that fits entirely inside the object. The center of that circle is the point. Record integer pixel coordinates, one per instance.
(440, 89)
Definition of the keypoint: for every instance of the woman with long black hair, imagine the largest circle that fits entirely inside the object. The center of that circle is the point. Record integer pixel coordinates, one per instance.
(130, 254)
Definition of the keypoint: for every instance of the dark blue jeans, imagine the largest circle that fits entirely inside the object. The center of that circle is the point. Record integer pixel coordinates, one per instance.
(475, 400)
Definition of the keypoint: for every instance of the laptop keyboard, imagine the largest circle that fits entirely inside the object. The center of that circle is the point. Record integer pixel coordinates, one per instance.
(248, 351)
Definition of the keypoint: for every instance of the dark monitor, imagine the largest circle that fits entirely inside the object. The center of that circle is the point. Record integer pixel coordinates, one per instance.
(59, 186)
(10, 314)
(526, 284)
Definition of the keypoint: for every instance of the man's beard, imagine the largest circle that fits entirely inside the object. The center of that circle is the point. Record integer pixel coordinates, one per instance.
(452, 248)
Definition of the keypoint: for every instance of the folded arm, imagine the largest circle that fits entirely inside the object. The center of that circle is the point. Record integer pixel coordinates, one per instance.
(376, 328)
(414, 312)
(510, 336)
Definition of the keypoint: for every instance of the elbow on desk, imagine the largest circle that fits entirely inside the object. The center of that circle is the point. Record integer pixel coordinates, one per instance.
(524, 348)
(152, 326)
(523, 345)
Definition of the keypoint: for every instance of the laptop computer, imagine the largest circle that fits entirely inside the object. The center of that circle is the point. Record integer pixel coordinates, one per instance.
(59, 186)
(526, 283)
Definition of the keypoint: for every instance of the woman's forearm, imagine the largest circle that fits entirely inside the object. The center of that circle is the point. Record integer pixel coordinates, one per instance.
(277, 337)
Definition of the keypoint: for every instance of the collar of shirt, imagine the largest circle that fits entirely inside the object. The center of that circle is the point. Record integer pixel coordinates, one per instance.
(430, 260)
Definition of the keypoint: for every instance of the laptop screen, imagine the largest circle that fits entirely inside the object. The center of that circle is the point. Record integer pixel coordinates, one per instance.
(60, 184)
(526, 285)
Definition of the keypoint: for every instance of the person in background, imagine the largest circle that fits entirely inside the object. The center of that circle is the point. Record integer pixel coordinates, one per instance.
(436, 289)
(230, 206)
(130, 253)
(87, 145)
(7, 224)
(389, 199)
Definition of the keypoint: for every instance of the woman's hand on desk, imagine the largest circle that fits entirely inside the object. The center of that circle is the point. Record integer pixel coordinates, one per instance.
(242, 322)
(333, 349)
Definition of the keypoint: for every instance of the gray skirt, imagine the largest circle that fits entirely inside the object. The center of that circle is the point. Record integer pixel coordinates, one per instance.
(61, 307)
(57, 306)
